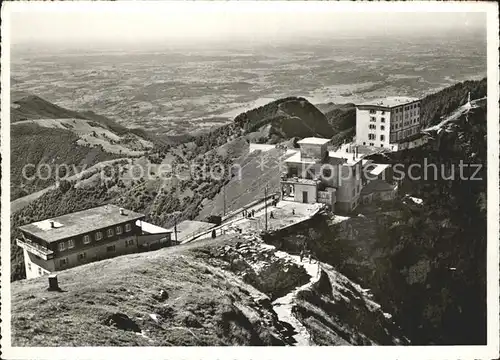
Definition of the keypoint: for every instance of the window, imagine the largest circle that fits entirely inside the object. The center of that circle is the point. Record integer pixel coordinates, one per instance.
(327, 173)
(71, 244)
(86, 239)
(63, 262)
(372, 126)
(382, 137)
(62, 246)
(383, 112)
(129, 242)
(382, 127)
(119, 230)
(353, 192)
(371, 136)
(29, 266)
(364, 143)
(82, 256)
(110, 248)
(373, 112)
(40, 271)
(98, 236)
(110, 232)
(372, 119)
(382, 120)
(127, 227)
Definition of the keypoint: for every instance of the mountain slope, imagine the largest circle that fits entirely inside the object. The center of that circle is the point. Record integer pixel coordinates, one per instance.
(212, 292)
(45, 135)
(285, 118)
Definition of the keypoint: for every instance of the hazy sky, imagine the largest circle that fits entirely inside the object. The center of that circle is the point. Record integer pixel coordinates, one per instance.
(228, 21)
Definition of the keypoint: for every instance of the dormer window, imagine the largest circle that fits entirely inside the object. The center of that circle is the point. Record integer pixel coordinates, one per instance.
(86, 239)
(62, 246)
(127, 227)
(119, 230)
(71, 244)
(98, 236)
(110, 232)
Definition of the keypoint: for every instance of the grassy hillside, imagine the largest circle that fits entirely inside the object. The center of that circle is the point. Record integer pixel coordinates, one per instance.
(33, 144)
(37, 138)
(26, 106)
(210, 292)
(171, 297)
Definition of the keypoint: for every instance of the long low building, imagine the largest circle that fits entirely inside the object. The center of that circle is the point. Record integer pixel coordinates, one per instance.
(77, 238)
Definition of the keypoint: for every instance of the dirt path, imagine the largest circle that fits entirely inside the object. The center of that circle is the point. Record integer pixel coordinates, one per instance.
(283, 305)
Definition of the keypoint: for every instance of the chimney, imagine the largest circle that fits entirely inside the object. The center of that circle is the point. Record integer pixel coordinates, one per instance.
(122, 211)
(51, 224)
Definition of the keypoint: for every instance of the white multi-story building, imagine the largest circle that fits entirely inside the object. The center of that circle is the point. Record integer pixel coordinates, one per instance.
(316, 174)
(393, 123)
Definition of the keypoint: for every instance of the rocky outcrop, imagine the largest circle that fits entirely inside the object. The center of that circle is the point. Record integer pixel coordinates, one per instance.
(259, 267)
(337, 311)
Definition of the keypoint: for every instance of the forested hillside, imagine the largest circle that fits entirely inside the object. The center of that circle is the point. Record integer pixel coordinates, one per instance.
(34, 145)
(286, 118)
(444, 101)
(426, 263)
(435, 263)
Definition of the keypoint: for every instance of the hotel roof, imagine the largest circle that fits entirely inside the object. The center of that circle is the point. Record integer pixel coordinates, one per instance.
(79, 223)
(390, 102)
(313, 141)
(377, 185)
(349, 158)
(297, 158)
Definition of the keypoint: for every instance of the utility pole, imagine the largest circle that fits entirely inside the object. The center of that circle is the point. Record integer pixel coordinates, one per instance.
(224, 196)
(175, 229)
(265, 206)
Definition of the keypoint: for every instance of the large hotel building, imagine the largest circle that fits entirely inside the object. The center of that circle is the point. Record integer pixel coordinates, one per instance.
(393, 123)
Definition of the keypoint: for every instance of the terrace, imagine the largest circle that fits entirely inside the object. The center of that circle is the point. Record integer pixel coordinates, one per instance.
(36, 249)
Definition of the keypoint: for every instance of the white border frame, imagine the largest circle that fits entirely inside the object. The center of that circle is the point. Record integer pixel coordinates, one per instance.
(489, 351)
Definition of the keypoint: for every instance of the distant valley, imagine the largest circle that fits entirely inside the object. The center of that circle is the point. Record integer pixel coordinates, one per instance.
(179, 91)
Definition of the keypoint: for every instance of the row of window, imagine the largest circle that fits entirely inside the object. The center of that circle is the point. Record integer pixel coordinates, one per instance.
(374, 119)
(372, 126)
(407, 115)
(83, 255)
(372, 111)
(373, 144)
(63, 245)
(40, 271)
(373, 137)
(406, 123)
(408, 107)
(403, 134)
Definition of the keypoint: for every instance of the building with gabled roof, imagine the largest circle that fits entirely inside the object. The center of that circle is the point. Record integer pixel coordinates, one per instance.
(84, 236)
